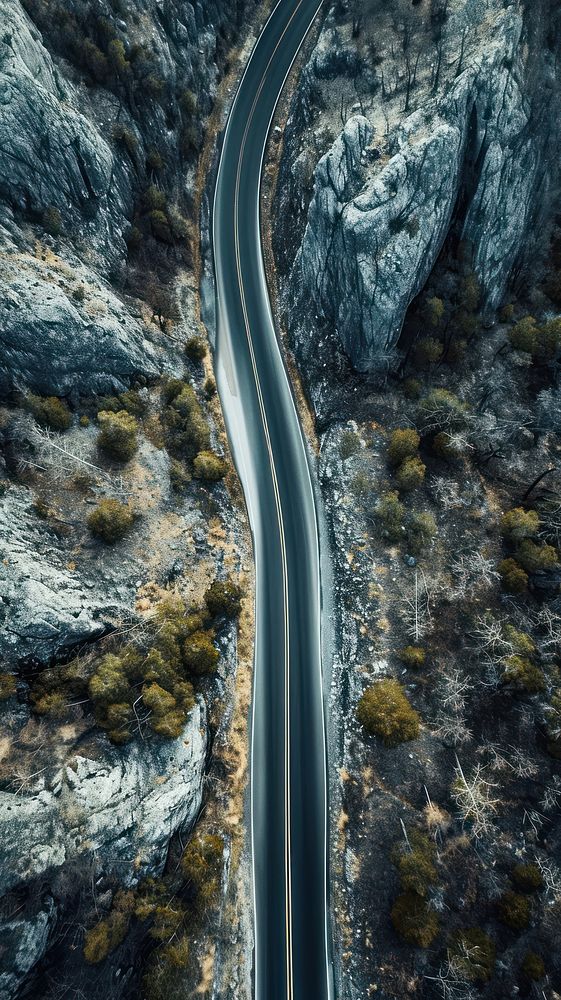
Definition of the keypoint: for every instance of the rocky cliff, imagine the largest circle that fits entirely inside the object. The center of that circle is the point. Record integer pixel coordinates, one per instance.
(448, 136)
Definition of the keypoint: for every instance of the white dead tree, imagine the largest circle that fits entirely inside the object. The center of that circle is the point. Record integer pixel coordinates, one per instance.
(451, 725)
(474, 797)
(511, 759)
(62, 457)
(417, 609)
(450, 982)
(472, 571)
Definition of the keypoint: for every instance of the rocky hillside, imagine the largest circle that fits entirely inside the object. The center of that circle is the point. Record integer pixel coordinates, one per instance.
(449, 112)
(117, 673)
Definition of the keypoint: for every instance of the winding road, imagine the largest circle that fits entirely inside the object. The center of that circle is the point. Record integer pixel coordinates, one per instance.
(288, 740)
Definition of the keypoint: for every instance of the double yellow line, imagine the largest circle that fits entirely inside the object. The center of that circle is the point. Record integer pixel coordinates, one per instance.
(287, 805)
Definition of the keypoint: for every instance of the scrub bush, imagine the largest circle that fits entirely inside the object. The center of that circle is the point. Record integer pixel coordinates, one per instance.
(384, 711)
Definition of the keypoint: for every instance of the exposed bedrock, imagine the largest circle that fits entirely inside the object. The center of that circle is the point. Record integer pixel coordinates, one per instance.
(475, 153)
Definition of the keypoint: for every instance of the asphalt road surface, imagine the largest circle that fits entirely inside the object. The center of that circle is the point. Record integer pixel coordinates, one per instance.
(288, 752)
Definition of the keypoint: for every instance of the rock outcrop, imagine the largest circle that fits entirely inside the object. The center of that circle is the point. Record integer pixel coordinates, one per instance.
(468, 148)
(119, 807)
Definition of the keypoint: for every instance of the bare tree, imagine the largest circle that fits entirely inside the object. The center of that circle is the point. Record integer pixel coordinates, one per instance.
(417, 608)
(474, 797)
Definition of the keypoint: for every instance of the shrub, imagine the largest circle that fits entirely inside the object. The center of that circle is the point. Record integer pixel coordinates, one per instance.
(111, 520)
(118, 436)
(210, 388)
(200, 866)
(533, 966)
(53, 704)
(518, 524)
(474, 954)
(412, 388)
(84, 420)
(79, 293)
(521, 642)
(527, 877)
(107, 935)
(413, 920)
(513, 578)
(349, 444)
(179, 475)
(160, 226)
(428, 351)
(417, 872)
(404, 443)
(514, 910)
(411, 474)
(109, 682)
(524, 335)
(523, 674)
(447, 446)
(421, 530)
(434, 311)
(413, 656)
(209, 466)
(154, 199)
(8, 686)
(186, 430)
(126, 138)
(154, 161)
(441, 410)
(534, 558)
(390, 512)
(223, 597)
(200, 654)
(384, 711)
(50, 412)
(131, 401)
(52, 221)
(195, 349)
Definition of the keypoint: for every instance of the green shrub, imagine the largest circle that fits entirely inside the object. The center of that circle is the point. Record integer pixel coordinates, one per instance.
(534, 558)
(521, 642)
(195, 349)
(434, 311)
(469, 293)
(523, 674)
(404, 443)
(107, 935)
(160, 225)
(200, 654)
(514, 910)
(209, 466)
(8, 686)
(413, 920)
(49, 411)
(524, 335)
(411, 474)
(445, 446)
(349, 444)
(154, 199)
(390, 512)
(179, 475)
(126, 138)
(111, 520)
(79, 293)
(52, 221)
(421, 530)
(130, 400)
(200, 867)
(427, 351)
(474, 954)
(518, 524)
(210, 388)
(154, 161)
(384, 711)
(186, 430)
(533, 966)
(223, 597)
(412, 388)
(527, 877)
(415, 863)
(84, 420)
(513, 578)
(441, 410)
(413, 656)
(118, 436)
(53, 704)
(188, 103)
(109, 683)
